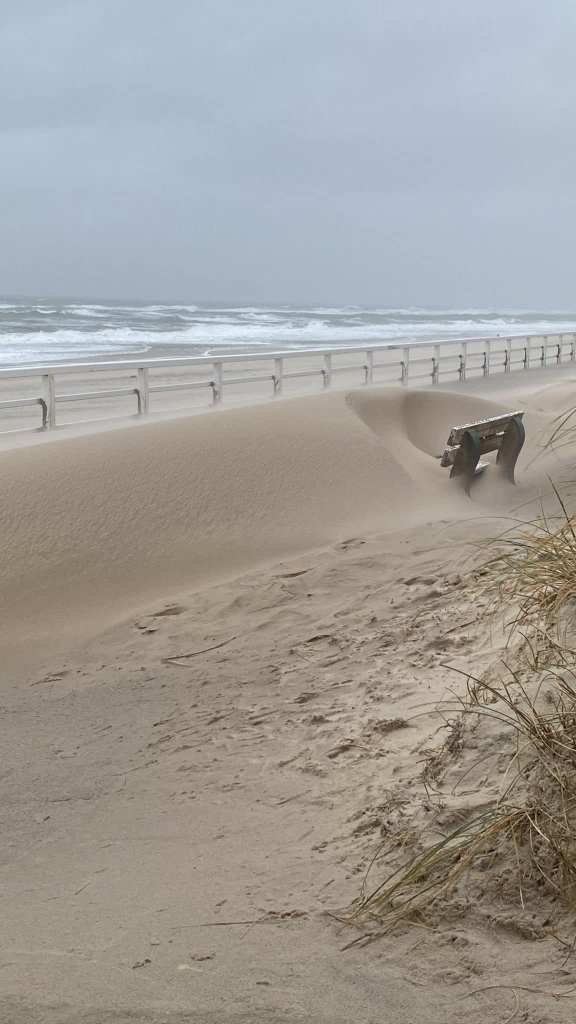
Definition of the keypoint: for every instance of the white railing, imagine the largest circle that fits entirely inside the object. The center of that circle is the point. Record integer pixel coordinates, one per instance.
(457, 360)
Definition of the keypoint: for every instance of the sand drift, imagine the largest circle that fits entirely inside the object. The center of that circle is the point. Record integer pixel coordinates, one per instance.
(94, 527)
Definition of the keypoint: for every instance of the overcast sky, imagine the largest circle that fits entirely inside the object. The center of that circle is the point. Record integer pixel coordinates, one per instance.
(343, 151)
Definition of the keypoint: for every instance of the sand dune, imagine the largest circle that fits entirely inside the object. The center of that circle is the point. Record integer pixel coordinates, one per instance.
(421, 418)
(95, 527)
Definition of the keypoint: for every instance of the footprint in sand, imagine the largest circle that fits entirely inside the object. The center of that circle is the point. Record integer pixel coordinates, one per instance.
(346, 545)
(170, 609)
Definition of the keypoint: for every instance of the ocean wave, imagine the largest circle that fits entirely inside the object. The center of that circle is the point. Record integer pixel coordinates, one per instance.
(43, 331)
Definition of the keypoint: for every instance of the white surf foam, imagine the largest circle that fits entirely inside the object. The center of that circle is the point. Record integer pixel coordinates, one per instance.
(41, 331)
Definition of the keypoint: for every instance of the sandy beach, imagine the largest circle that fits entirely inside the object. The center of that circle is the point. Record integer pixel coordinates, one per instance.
(224, 640)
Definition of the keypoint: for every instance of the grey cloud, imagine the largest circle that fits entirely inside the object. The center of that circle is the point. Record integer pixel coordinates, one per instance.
(378, 152)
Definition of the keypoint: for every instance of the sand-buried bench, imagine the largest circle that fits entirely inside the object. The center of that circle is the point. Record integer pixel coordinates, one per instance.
(503, 434)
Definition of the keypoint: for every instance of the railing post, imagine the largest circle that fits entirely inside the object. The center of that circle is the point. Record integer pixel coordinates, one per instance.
(327, 370)
(463, 362)
(573, 348)
(143, 391)
(543, 353)
(278, 378)
(218, 383)
(559, 350)
(405, 365)
(487, 354)
(436, 364)
(50, 399)
(528, 352)
(508, 356)
(369, 367)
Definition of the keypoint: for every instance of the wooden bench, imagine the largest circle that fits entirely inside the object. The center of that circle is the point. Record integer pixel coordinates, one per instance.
(502, 434)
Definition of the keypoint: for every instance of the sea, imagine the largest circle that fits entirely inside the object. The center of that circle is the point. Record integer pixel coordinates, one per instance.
(47, 331)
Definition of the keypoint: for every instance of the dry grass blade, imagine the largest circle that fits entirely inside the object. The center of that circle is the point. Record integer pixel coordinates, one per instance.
(564, 430)
(535, 571)
(410, 889)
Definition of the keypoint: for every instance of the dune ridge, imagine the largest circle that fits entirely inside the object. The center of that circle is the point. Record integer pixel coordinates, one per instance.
(94, 527)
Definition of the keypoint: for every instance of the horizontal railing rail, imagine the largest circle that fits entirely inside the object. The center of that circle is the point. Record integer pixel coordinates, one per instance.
(458, 358)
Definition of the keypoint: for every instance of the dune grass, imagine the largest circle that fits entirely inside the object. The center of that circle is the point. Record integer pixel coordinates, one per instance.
(534, 570)
(533, 823)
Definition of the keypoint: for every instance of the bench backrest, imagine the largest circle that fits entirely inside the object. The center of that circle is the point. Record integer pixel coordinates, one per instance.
(492, 426)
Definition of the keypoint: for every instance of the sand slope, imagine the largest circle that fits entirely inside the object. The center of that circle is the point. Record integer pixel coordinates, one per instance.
(95, 527)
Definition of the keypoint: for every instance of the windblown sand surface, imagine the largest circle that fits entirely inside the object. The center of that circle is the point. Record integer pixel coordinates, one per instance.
(223, 641)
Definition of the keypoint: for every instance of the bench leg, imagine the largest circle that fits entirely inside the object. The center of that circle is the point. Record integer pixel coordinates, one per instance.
(466, 460)
(510, 448)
